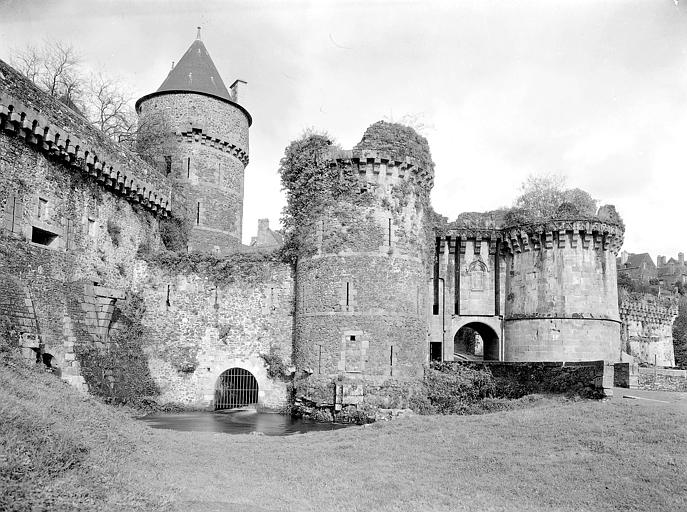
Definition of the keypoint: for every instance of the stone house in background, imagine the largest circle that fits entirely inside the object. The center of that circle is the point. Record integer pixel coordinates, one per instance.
(672, 271)
(639, 267)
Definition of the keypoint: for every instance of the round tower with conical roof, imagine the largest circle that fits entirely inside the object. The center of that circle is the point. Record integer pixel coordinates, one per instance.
(208, 151)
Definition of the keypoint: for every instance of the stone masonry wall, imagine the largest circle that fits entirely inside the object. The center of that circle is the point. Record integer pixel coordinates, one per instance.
(647, 331)
(199, 329)
(53, 129)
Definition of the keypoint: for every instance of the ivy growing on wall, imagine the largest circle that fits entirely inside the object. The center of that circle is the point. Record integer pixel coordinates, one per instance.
(119, 372)
(242, 267)
(312, 187)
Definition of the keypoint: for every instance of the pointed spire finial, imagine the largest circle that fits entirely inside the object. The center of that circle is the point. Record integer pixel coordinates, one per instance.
(198, 35)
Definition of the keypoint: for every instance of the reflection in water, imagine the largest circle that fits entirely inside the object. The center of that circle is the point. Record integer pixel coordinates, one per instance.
(236, 422)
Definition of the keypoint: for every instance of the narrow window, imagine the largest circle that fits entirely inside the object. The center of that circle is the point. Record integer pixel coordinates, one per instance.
(391, 361)
(167, 303)
(188, 167)
(67, 235)
(348, 295)
(13, 222)
(352, 337)
(168, 165)
(389, 233)
(198, 213)
(42, 207)
(91, 227)
(219, 173)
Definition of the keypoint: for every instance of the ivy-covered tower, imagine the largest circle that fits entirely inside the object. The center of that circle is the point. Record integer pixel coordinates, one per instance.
(208, 150)
(361, 272)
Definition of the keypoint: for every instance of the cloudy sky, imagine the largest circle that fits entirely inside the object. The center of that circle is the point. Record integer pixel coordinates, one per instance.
(593, 90)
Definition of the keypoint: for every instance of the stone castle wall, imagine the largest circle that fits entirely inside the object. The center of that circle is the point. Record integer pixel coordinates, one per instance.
(647, 333)
(59, 133)
(79, 221)
(200, 327)
(210, 141)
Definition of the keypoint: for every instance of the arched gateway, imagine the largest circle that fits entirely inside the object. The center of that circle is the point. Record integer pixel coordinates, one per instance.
(236, 387)
(476, 341)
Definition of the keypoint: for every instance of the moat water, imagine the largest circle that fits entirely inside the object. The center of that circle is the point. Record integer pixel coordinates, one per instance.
(237, 422)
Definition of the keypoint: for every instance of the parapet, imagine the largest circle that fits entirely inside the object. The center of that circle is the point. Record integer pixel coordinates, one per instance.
(562, 233)
(65, 136)
(556, 233)
(648, 308)
(381, 168)
(192, 132)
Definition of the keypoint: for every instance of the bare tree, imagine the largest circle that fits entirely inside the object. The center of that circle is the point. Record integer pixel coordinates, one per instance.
(28, 62)
(55, 67)
(109, 107)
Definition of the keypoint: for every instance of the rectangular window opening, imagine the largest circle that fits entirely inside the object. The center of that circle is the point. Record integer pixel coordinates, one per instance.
(389, 233)
(168, 165)
(42, 237)
(348, 295)
(188, 167)
(198, 213)
(352, 337)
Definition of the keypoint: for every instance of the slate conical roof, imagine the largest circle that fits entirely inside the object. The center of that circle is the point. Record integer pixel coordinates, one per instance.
(196, 72)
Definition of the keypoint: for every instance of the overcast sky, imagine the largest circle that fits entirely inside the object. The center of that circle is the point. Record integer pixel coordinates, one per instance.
(593, 90)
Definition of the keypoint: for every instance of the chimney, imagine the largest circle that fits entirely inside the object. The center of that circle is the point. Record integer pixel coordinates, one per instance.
(681, 258)
(623, 257)
(234, 90)
(660, 261)
(263, 230)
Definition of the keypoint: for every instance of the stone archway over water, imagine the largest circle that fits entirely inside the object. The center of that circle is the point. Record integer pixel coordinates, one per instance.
(236, 387)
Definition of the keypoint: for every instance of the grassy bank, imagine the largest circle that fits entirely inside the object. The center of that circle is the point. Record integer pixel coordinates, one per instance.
(63, 449)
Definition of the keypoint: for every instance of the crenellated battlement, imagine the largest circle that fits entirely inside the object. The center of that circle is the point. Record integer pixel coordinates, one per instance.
(648, 309)
(562, 233)
(553, 234)
(195, 134)
(62, 135)
(384, 169)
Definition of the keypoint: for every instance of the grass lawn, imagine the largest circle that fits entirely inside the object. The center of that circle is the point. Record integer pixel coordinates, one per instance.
(588, 455)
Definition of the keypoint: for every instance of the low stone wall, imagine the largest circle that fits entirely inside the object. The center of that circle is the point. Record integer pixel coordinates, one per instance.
(662, 379)
(353, 400)
(592, 379)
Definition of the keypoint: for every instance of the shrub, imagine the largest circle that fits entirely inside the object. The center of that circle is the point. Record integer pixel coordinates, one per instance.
(453, 392)
(276, 367)
(115, 232)
(174, 233)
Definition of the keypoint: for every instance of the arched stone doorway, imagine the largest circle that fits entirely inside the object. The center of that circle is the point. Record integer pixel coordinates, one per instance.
(476, 341)
(236, 387)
